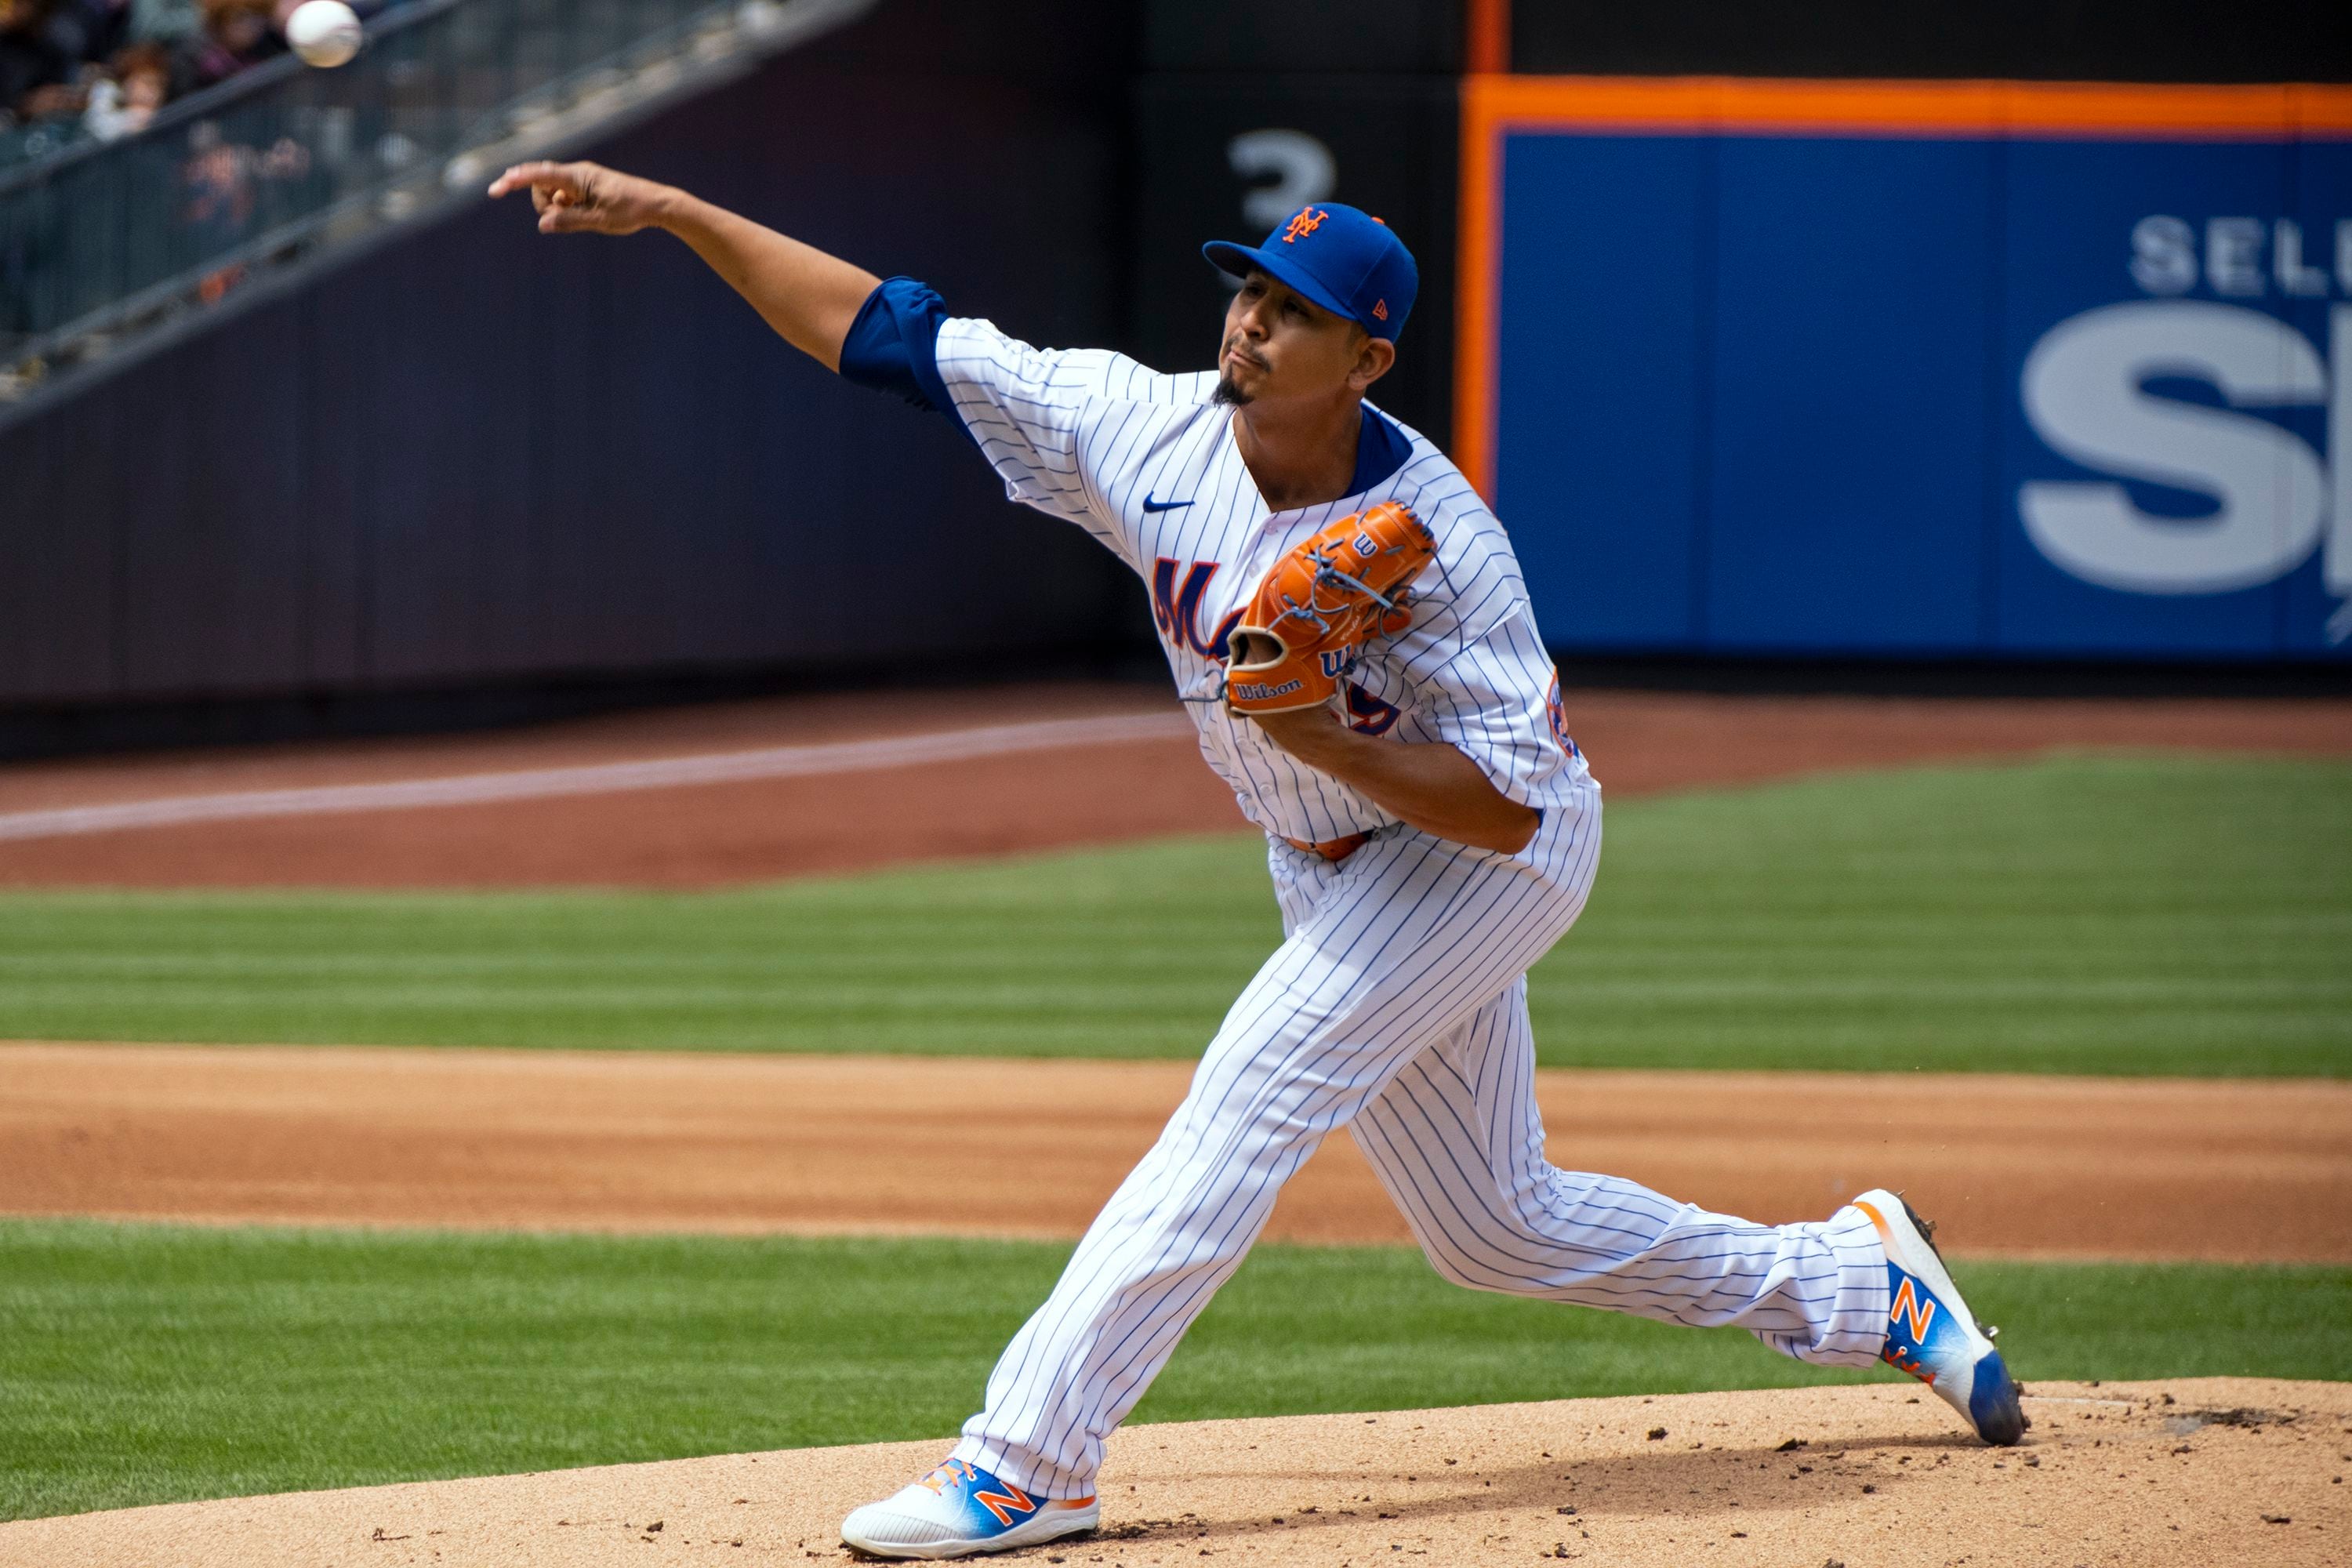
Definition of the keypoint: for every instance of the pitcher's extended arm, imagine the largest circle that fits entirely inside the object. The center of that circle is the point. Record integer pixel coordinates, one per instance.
(809, 297)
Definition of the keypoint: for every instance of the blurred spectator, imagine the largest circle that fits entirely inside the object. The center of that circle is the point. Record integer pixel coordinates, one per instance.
(222, 176)
(235, 34)
(165, 21)
(72, 69)
(37, 64)
(223, 181)
(92, 29)
(136, 85)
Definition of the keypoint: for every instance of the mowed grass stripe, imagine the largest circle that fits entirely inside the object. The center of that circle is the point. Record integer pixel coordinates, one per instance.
(2170, 915)
(151, 1363)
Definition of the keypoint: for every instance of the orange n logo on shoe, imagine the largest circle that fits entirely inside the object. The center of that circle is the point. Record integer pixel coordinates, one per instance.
(1004, 1506)
(1914, 1309)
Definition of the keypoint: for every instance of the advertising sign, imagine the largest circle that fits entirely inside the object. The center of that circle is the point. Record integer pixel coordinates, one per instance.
(1918, 368)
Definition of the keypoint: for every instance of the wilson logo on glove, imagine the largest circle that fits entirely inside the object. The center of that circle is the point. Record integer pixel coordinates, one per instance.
(1307, 623)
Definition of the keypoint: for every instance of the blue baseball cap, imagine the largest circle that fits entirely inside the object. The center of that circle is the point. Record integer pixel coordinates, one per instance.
(1344, 260)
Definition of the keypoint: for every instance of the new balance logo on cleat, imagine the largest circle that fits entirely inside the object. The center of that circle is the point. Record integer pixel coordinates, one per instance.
(1912, 1307)
(1929, 1332)
(1008, 1505)
(1906, 1326)
(960, 1510)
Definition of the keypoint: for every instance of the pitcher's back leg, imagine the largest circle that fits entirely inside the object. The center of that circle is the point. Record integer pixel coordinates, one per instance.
(1457, 1140)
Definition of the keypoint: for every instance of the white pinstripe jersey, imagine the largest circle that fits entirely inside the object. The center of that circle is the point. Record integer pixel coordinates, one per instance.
(1147, 463)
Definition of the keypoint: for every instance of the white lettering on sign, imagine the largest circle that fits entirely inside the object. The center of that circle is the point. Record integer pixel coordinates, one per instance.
(2233, 256)
(2336, 567)
(2164, 255)
(2084, 393)
(2241, 258)
(2286, 255)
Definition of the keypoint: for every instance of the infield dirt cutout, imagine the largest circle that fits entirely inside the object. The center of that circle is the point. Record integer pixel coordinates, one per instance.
(2245, 1170)
(2200, 1472)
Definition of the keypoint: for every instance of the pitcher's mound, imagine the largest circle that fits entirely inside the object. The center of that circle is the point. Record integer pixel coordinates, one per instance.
(2199, 1471)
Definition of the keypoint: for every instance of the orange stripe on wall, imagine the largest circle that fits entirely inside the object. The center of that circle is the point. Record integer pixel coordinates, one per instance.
(1493, 106)
(1923, 108)
(1477, 275)
(1490, 35)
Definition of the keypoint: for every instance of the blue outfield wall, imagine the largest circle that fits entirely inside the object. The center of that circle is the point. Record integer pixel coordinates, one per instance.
(1926, 394)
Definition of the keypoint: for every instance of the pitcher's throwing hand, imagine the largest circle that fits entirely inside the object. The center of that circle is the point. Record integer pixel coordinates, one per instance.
(586, 198)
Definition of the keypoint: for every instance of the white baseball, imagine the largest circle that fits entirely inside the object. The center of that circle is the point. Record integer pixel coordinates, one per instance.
(323, 32)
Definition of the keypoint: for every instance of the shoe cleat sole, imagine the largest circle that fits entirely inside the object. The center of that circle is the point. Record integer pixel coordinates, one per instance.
(1931, 1332)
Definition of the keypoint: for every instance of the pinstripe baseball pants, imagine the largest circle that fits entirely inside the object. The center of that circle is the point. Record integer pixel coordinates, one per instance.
(1396, 1007)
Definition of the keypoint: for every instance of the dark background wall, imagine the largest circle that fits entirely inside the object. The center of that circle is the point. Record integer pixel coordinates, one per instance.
(474, 456)
(1373, 84)
(1391, 140)
(2040, 40)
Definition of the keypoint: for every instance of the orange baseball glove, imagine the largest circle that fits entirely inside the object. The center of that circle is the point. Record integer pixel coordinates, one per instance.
(1318, 606)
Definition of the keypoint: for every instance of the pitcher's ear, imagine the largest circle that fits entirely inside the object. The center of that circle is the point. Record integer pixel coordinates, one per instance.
(1373, 360)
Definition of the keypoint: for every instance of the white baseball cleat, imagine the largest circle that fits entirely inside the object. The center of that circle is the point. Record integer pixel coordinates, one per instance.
(1931, 1333)
(960, 1510)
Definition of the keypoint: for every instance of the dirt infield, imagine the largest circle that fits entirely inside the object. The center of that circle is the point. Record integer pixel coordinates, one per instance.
(2190, 1473)
(706, 834)
(2071, 1167)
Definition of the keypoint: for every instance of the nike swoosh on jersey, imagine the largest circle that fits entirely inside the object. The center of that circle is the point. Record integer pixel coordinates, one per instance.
(1151, 505)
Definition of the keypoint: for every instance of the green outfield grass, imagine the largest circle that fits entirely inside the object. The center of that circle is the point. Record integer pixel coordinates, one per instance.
(144, 1363)
(2094, 914)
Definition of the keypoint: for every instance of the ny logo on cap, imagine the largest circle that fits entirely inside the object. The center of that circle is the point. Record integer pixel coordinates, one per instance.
(1305, 220)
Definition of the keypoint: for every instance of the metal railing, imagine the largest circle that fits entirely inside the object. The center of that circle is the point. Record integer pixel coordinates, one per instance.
(104, 240)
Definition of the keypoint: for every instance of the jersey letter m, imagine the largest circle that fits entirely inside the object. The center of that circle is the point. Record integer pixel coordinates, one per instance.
(1177, 611)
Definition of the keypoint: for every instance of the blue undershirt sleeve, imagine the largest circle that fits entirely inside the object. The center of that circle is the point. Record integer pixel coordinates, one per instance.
(893, 345)
(1381, 450)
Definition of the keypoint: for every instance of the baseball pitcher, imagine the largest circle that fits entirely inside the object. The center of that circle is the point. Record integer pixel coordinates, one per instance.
(1348, 623)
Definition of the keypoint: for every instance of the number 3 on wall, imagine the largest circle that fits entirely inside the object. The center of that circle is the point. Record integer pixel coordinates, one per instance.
(1303, 169)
